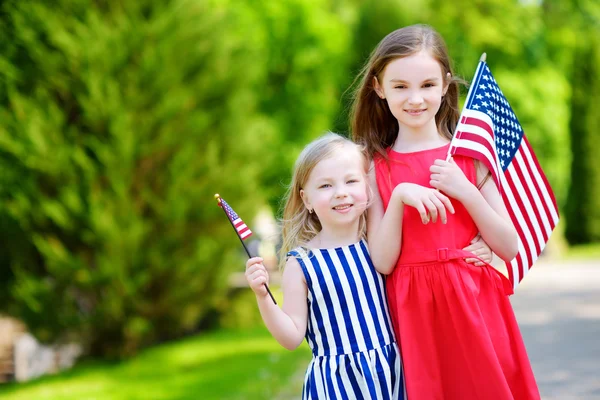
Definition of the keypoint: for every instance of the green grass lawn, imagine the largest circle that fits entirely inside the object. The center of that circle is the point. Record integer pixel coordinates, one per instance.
(224, 365)
(583, 252)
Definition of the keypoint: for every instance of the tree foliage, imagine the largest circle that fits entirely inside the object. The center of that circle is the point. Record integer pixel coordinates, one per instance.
(118, 123)
(119, 120)
(583, 206)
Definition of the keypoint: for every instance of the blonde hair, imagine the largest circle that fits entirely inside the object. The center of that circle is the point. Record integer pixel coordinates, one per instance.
(298, 225)
(371, 121)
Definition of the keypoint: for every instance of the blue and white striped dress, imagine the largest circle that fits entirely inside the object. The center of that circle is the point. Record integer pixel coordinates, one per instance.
(355, 355)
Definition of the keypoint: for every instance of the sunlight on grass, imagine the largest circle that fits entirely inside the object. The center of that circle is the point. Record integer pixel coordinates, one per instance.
(221, 365)
(585, 251)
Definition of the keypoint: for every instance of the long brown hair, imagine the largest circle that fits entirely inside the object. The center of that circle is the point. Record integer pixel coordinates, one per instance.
(371, 121)
(298, 225)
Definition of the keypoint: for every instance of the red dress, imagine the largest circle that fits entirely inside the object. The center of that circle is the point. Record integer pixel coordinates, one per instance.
(454, 322)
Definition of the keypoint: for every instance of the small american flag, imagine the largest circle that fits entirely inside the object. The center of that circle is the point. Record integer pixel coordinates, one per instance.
(241, 228)
(488, 130)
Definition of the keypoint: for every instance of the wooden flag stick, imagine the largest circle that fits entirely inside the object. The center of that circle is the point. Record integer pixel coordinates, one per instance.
(218, 198)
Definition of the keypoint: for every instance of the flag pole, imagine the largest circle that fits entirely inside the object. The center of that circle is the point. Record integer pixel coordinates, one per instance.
(481, 59)
(218, 198)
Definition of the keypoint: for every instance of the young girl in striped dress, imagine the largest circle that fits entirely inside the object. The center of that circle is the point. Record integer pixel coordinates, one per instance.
(332, 294)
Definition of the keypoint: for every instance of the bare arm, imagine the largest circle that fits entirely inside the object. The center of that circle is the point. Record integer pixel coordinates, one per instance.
(491, 217)
(485, 206)
(384, 229)
(481, 250)
(287, 324)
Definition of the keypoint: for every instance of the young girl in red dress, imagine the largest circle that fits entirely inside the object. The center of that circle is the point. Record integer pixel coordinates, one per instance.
(458, 334)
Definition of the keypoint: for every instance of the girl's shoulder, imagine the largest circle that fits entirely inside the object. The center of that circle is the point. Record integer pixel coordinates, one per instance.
(300, 252)
(378, 157)
(308, 252)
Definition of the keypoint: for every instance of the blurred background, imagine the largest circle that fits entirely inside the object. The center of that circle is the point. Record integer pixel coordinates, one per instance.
(119, 120)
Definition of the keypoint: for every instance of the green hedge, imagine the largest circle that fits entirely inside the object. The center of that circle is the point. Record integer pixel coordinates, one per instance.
(583, 207)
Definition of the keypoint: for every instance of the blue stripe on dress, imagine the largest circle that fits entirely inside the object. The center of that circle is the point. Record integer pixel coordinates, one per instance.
(354, 382)
(342, 304)
(367, 373)
(372, 302)
(391, 356)
(380, 370)
(329, 308)
(314, 306)
(328, 379)
(365, 301)
(340, 379)
(380, 288)
(360, 313)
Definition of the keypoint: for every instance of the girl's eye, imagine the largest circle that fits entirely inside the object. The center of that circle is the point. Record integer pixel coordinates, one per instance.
(324, 186)
(427, 85)
(352, 181)
(399, 87)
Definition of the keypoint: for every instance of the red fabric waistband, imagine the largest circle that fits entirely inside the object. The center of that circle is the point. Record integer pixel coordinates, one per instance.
(439, 255)
(445, 254)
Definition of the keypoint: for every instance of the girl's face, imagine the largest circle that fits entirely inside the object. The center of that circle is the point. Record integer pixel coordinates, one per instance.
(336, 189)
(413, 87)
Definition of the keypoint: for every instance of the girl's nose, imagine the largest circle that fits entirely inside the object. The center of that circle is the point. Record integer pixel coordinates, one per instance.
(415, 98)
(341, 193)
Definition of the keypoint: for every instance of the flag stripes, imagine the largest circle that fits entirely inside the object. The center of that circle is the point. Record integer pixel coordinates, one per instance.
(489, 131)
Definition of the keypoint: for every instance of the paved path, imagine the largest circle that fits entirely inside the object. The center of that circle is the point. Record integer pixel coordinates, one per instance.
(558, 309)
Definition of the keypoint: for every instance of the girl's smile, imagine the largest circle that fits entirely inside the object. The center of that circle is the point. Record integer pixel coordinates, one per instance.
(416, 112)
(344, 208)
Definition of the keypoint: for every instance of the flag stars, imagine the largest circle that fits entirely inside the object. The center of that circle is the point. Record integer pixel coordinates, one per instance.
(488, 98)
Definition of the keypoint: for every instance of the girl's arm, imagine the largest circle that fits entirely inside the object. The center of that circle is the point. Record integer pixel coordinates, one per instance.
(384, 229)
(287, 324)
(479, 248)
(484, 205)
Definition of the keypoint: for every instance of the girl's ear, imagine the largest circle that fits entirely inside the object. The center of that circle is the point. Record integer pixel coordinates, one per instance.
(378, 88)
(447, 83)
(370, 194)
(305, 200)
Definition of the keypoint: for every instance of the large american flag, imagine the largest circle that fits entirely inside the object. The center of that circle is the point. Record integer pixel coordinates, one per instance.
(488, 130)
(242, 230)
